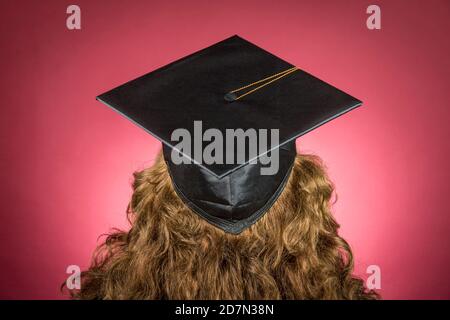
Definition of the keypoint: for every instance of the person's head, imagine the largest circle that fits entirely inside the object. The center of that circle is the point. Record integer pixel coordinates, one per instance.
(292, 252)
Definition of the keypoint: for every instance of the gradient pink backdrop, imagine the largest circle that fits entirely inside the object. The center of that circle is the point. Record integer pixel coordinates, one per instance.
(66, 160)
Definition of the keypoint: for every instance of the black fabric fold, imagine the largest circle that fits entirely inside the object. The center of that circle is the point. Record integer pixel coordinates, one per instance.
(235, 202)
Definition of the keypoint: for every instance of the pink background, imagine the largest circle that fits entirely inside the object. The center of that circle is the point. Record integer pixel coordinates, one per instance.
(66, 160)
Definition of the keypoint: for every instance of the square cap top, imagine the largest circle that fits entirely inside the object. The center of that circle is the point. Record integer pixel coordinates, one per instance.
(197, 88)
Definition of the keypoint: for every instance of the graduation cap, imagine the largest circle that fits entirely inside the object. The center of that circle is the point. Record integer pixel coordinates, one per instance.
(231, 85)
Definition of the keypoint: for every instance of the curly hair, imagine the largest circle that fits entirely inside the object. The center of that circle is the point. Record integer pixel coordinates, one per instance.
(293, 252)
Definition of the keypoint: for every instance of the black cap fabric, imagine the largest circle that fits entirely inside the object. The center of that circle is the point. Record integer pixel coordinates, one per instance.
(237, 200)
(201, 88)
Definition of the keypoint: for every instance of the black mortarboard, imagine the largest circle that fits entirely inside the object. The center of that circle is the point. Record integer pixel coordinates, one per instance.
(205, 88)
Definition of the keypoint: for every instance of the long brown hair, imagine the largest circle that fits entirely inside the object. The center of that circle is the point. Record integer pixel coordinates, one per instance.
(293, 252)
